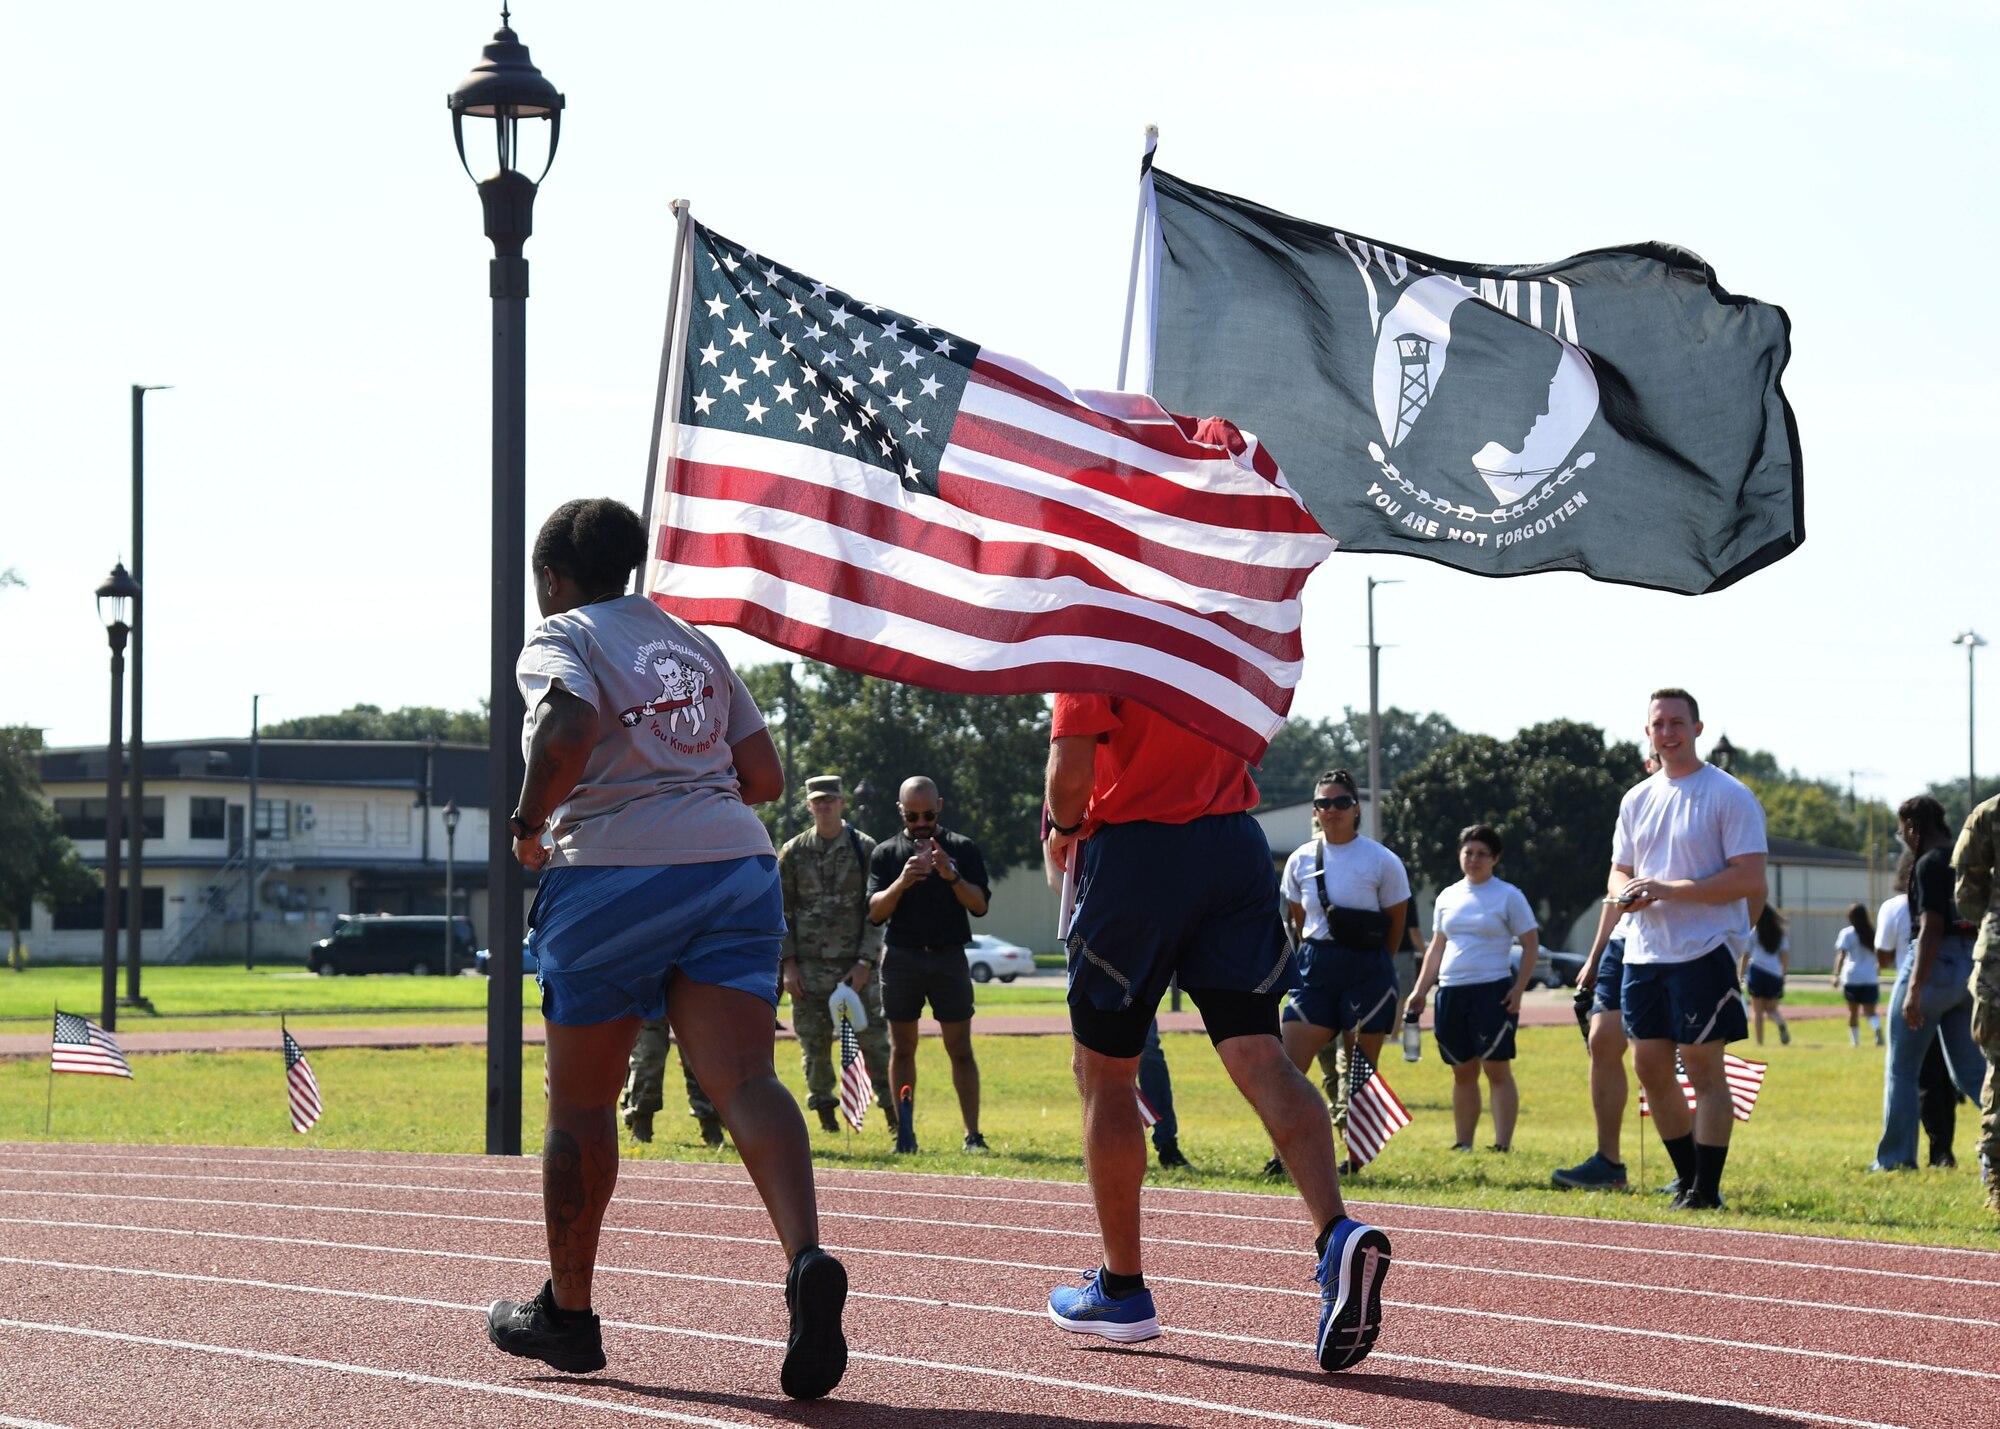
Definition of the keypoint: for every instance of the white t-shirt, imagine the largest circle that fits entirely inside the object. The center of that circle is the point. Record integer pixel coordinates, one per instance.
(1892, 929)
(1858, 967)
(1765, 960)
(1360, 874)
(1480, 922)
(1686, 828)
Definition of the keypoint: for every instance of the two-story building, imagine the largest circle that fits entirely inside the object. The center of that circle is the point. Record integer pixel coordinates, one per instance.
(340, 826)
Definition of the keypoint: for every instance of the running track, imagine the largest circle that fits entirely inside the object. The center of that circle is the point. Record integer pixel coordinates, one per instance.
(169, 1286)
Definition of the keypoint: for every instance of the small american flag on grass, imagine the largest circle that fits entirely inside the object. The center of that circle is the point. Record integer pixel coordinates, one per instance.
(300, 1086)
(1746, 1079)
(857, 1092)
(1147, 1116)
(1373, 1113)
(80, 1045)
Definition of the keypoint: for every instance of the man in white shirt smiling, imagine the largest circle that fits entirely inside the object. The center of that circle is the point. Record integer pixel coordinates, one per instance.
(1687, 857)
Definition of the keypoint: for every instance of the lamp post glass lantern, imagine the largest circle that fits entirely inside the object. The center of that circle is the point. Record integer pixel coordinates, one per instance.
(506, 88)
(115, 599)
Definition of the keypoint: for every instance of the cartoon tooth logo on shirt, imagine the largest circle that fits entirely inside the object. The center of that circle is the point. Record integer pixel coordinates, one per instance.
(684, 688)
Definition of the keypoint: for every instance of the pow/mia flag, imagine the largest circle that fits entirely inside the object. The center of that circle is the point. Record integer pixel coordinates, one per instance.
(1616, 413)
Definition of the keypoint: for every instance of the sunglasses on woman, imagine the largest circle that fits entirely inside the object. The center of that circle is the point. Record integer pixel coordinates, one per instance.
(1338, 801)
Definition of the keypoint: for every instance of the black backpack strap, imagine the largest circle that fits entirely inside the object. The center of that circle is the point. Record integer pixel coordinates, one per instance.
(1319, 882)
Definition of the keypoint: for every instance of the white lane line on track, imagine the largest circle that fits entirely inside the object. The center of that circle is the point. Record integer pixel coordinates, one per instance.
(8, 1421)
(1091, 1234)
(1675, 1336)
(1645, 1391)
(524, 1166)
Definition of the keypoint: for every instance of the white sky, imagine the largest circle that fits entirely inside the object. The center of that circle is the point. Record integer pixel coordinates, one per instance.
(260, 205)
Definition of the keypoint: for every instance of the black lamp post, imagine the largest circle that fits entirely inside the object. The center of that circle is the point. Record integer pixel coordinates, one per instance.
(506, 88)
(115, 599)
(450, 842)
(135, 920)
(864, 794)
(1723, 755)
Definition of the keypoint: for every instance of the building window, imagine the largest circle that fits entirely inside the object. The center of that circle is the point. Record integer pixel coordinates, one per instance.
(84, 818)
(342, 821)
(207, 818)
(87, 914)
(274, 818)
(392, 822)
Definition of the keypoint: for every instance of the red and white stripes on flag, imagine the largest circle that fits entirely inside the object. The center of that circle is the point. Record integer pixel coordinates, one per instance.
(1373, 1113)
(1148, 1118)
(80, 1045)
(857, 1091)
(300, 1086)
(1746, 1079)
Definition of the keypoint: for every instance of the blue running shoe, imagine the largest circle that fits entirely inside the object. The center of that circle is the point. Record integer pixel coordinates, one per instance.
(1087, 1310)
(1350, 1279)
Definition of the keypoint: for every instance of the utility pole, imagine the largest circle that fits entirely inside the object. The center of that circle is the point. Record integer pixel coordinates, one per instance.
(1374, 716)
(1971, 640)
(250, 852)
(135, 918)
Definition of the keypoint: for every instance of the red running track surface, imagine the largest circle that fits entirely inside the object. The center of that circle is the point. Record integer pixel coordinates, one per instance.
(194, 1286)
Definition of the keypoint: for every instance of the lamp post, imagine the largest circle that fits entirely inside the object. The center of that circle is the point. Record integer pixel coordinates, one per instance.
(136, 909)
(450, 849)
(864, 794)
(115, 599)
(1971, 640)
(1723, 755)
(506, 88)
(1374, 716)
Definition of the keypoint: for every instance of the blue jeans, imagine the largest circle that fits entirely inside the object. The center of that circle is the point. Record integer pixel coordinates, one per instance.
(1947, 1009)
(1158, 1089)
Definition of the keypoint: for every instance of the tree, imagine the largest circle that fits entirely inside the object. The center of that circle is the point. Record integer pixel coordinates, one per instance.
(37, 863)
(1552, 791)
(1302, 750)
(986, 752)
(411, 722)
(1951, 794)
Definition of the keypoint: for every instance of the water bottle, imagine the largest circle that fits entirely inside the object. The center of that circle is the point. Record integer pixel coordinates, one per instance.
(1413, 1040)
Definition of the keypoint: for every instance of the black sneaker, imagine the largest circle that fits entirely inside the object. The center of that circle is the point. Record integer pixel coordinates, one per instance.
(975, 1144)
(1274, 1170)
(711, 1132)
(532, 1330)
(1671, 1189)
(1693, 1200)
(828, 1120)
(640, 1124)
(1172, 1160)
(815, 1350)
(1943, 1161)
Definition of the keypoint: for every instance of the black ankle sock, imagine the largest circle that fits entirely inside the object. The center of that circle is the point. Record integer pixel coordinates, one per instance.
(1681, 1149)
(1326, 1234)
(1708, 1168)
(1120, 1287)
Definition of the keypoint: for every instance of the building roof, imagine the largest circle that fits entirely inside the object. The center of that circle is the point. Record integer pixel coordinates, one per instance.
(457, 771)
(1785, 850)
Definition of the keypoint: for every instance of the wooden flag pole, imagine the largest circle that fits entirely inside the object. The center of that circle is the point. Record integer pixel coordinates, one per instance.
(1138, 241)
(667, 398)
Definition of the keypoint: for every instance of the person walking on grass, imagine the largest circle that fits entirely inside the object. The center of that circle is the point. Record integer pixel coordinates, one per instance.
(659, 893)
(1173, 879)
(1937, 1098)
(1686, 859)
(1857, 974)
(1973, 859)
(1766, 957)
(1474, 924)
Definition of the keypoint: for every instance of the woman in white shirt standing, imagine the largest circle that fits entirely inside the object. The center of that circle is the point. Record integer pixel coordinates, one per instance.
(1857, 974)
(1474, 924)
(1762, 967)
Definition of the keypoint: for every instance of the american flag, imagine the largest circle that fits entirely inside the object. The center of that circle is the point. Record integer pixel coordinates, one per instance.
(857, 1092)
(301, 1085)
(1147, 1116)
(876, 492)
(1746, 1079)
(1373, 1113)
(80, 1045)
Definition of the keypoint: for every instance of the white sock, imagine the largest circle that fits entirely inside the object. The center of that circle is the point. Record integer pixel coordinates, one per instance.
(1874, 1023)
(1854, 1036)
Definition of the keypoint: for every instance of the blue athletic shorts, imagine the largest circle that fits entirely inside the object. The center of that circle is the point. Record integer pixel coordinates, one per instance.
(1473, 1023)
(1685, 1003)
(1196, 900)
(1763, 984)
(609, 939)
(1341, 989)
(1862, 994)
(1610, 978)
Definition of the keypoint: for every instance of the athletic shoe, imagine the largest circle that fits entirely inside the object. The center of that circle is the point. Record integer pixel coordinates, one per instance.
(531, 1330)
(1274, 1170)
(1876, 1167)
(1943, 1161)
(1461, 1146)
(1878, 1037)
(1172, 1160)
(1784, 1035)
(975, 1144)
(1087, 1310)
(828, 1120)
(1672, 1188)
(1693, 1200)
(711, 1131)
(1503, 1150)
(1350, 1278)
(640, 1124)
(815, 1350)
(1598, 1173)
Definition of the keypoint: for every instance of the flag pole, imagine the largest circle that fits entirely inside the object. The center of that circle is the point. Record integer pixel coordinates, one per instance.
(49, 1106)
(1132, 281)
(672, 364)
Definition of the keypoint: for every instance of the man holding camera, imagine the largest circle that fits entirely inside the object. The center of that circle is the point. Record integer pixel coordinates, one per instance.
(923, 883)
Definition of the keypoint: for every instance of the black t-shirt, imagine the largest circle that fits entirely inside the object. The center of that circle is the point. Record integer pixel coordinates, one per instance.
(1930, 890)
(928, 915)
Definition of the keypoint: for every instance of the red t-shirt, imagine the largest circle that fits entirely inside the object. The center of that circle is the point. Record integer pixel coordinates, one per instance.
(1149, 768)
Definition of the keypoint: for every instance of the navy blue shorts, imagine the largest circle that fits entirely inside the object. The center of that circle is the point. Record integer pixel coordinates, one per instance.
(1685, 1003)
(1344, 990)
(1766, 985)
(1198, 901)
(1473, 1023)
(609, 939)
(1610, 979)
(1865, 994)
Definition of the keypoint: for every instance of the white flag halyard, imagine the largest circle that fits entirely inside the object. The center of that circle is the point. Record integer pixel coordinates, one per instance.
(874, 492)
(1746, 1079)
(857, 1089)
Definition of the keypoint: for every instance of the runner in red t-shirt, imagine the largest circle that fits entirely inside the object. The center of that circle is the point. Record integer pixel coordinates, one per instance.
(1174, 878)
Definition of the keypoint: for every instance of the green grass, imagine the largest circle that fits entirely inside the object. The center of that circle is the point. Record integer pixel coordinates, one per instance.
(1796, 1166)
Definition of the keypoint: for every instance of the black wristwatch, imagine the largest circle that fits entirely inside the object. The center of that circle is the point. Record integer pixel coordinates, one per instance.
(518, 826)
(1056, 828)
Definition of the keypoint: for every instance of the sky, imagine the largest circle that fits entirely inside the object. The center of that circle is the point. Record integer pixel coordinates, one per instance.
(261, 206)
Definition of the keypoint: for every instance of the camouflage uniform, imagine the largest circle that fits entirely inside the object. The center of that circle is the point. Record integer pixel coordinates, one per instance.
(645, 1092)
(827, 931)
(1979, 902)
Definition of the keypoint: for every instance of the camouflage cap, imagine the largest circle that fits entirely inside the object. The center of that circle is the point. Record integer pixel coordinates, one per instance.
(824, 786)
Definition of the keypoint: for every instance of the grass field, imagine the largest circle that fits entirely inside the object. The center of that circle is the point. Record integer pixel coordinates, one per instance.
(1796, 1166)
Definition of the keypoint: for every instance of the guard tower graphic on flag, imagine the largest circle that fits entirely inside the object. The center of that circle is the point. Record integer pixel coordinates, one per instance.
(1413, 354)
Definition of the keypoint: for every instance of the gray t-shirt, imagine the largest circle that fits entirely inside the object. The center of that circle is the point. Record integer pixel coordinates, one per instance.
(660, 784)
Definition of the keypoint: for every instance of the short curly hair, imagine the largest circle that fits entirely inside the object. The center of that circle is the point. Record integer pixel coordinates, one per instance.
(596, 543)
